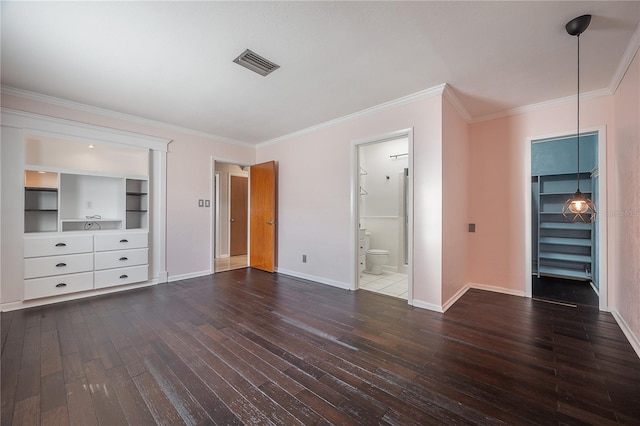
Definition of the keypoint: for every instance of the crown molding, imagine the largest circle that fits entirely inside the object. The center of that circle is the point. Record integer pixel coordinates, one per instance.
(48, 125)
(457, 103)
(38, 97)
(625, 62)
(542, 105)
(423, 94)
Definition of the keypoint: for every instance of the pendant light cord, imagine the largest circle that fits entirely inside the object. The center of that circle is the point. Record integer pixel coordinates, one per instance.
(578, 114)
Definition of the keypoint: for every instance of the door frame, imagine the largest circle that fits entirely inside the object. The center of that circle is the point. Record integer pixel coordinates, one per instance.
(214, 195)
(355, 205)
(601, 218)
(248, 208)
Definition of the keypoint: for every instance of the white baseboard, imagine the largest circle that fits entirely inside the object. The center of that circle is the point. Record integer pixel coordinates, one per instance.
(163, 277)
(426, 305)
(333, 283)
(495, 289)
(453, 299)
(631, 337)
(23, 304)
(173, 278)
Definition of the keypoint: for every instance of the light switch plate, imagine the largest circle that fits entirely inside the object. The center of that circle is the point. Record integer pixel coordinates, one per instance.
(207, 203)
(200, 203)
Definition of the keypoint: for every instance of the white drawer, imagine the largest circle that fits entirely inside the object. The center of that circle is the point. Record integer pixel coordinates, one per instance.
(362, 262)
(121, 258)
(57, 265)
(57, 245)
(123, 241)
(121, 276)
(53, 286)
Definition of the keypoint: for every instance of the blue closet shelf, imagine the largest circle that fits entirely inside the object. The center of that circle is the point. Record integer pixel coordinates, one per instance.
(563, 193)
(563, 272)
(563, 225)
(565, 256)
(584, 242)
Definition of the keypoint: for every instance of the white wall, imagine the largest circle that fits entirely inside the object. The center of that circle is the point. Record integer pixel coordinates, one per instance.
(381, 210)
(314, 191)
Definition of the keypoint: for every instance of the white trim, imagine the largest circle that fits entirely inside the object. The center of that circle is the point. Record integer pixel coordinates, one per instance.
(355, 194)
(453, 299)
(38, 97)
(425, 305)
(625, 62)
(602, 207)
(246, 176)
(457, 103)
(633, 339)
(13, 306)
(77, 131)
(424, 94)
(158, 214)
(320, 280)
(187, 276)
(542, 105)
(492, 288)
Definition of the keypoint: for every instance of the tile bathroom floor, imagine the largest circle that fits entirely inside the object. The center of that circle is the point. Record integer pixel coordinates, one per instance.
(390, 283)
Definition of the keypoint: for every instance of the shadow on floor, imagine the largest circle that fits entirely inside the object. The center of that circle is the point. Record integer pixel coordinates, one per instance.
(563, 290)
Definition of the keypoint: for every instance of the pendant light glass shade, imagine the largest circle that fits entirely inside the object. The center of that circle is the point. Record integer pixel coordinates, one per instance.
(578, 208)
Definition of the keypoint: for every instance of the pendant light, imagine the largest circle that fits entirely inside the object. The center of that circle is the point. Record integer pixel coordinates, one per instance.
(578, 208)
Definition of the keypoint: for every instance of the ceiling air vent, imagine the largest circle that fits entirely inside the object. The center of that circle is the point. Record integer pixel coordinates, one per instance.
(256, 63)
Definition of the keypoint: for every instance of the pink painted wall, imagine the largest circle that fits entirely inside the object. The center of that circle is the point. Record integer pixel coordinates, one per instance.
(497, 147)
(188, 179)
(624, 218)
(455, 193)
(314, 193)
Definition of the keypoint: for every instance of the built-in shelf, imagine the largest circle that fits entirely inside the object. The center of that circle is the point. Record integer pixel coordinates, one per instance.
(563, 249)
(39, 189)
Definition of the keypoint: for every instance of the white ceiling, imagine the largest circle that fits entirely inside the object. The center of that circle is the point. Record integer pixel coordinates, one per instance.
(172, 61)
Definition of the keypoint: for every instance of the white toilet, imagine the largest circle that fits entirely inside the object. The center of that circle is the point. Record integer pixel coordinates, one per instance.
(375, 259)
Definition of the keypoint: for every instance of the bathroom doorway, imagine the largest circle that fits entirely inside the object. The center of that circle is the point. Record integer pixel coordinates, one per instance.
(383, 212)
(231, 219)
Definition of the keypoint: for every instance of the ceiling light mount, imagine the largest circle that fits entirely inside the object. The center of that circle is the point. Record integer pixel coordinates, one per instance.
(578, 25)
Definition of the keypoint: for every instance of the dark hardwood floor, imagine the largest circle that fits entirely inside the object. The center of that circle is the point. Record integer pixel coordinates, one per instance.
(248, 347)
(564, 290)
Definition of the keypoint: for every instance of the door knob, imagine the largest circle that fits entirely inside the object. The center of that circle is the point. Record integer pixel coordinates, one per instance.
(270, 222)
(232, 220)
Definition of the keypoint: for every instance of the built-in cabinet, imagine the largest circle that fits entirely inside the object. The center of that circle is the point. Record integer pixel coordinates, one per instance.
(82, 210)
(60, 202)
(561, 248)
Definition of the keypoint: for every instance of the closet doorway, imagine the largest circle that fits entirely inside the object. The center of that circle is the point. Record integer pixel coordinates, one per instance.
(567, 259)
(231, 216)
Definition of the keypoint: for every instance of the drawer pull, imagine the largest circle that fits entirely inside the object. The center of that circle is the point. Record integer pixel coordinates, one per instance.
(124, 241)
(60, 265)
(61, 245)
(123, 258)
(123, 276)
(61, 285)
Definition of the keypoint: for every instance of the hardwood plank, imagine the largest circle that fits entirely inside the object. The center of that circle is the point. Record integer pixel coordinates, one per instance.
(52, 392)
(105, 403)
(58, 416)
(133, 405)
(159, 405)
(80, 404)
(27, 411)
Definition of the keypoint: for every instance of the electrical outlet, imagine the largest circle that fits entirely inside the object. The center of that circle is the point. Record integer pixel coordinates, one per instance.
(89, 204)
(200, 203)
(472, 227)
(207, 203)
(304, 258)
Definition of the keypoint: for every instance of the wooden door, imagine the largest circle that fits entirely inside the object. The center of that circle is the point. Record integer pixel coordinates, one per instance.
(263, 216)
(238, 218)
